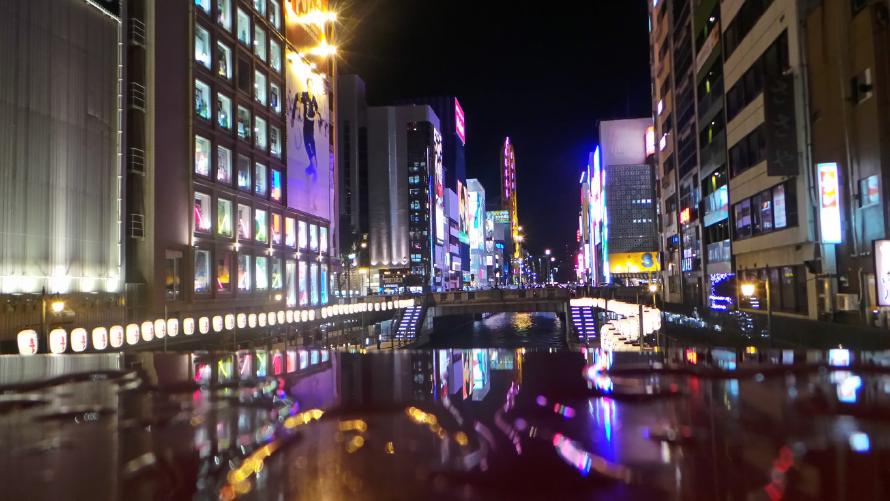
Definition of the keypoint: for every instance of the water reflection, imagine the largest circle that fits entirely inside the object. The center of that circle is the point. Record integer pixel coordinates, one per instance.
(503, 330)
(470, 423)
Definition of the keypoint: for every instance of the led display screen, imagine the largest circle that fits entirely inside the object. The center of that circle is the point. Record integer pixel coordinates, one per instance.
(829, 203)
(882, 271)
(459, 124)
(439, 186)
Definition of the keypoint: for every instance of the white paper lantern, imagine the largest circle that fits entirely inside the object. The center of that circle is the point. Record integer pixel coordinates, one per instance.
(172, 327)
(251, 320)
(261, 319)
(29, 342)
(241, 320)
(217, 323)
(188, 326)
(281, 317)
(147, 331)
(100, 338)
(160, 328)
(203, 325)
(230, 322)
(79, 340)
(116, 336)
(289, 316)
(58, 341)
(132, 334)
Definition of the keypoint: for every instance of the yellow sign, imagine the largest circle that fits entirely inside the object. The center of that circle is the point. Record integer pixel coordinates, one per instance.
(634, 262)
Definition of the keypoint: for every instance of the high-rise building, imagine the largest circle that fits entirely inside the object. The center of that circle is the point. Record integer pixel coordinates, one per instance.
(61, 162)
(352, 157)
(454, 139)
(617, 231)
(509, 203)
(788, 145)
(408, 224)
(238, 198)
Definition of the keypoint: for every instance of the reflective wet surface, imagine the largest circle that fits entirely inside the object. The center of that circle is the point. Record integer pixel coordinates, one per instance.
(503, 330)
(437, 424)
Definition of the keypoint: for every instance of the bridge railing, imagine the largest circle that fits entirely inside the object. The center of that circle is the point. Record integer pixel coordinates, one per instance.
(499, 295)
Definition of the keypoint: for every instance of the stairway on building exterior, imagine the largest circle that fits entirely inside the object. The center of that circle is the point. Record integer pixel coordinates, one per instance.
(409, 322)
(584, 322)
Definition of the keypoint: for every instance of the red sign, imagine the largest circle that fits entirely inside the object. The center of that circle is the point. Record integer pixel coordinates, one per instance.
(459, 122)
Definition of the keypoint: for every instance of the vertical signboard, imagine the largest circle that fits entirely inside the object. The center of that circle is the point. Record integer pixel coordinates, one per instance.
(882, 272)
(439, 186)
(781, 132)
(829, 203)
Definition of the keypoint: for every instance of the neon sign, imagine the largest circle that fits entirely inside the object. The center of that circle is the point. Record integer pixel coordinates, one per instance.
(459, 124)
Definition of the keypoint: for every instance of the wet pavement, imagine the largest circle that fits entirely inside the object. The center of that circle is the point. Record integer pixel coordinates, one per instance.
(445, 424)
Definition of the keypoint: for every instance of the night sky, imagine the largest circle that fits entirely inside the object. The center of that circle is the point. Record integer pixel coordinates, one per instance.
(543, 73)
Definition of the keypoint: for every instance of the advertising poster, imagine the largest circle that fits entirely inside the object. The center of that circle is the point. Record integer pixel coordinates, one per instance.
(309, 156)
(324, 283)
(477, 221)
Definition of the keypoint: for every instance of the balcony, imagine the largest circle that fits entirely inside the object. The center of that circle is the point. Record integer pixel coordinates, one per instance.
(136, 160)
(137, 225)
(710, 104)
(136, 96)
(719, 252)
(136, 32)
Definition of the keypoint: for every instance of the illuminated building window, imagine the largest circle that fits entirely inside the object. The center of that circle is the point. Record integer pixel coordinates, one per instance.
(275, 141)
(203, 221)
(224, 217)
(202, 156)
(243, 123)
(261, 280)
(304, 280)
(291, 279)
(323, 240)
(244, 173)
(223, 165)
(259, 42)
(275, 14)
(275, 55)
(202, 46)
(259, 87)
(290, 232)
(244, 272)
(243, 28)
(244, 222)
(202, 271)
(276, 185)
(277, 275)
(223, 60)
(276, 229)
(203, 6)
(223, 271)
(260, 183)
(869, 191)
(261, 133)
(261, 226)
(313, 283)
(173, 275)
(260, 6)
(224, 14)
(274, 97)
(313, 237)
(202, 99)
(223, 111)
(303, 234)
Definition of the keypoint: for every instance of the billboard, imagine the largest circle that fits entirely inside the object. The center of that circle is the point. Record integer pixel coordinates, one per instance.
(633, 262)
(476, 209)
(310, 159)
(459, 124)
(500, 216)
(829, 203)
(439, 186)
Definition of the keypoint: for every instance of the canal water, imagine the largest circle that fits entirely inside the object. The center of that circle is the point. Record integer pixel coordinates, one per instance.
(503, 330)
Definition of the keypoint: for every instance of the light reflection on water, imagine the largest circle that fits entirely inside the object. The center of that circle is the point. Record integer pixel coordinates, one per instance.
(504, 330)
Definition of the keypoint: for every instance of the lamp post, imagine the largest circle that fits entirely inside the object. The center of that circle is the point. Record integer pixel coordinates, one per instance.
(653, 288)
(748, 290)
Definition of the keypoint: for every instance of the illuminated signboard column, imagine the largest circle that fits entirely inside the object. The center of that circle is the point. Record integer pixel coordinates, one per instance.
(882, 272)
(509, 202)
(459, 124)
(829, 203)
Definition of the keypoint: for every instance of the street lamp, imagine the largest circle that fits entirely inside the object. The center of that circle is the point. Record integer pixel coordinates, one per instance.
(748, 289)
(653, 288)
